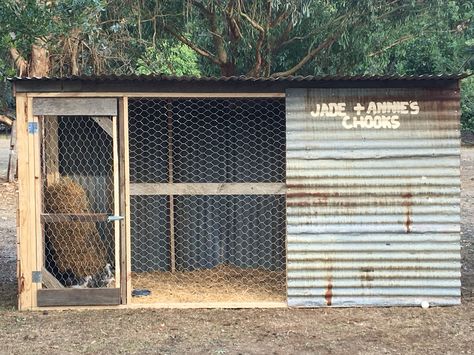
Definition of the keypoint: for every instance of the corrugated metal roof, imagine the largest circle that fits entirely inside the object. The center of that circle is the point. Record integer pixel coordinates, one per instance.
(244, 78)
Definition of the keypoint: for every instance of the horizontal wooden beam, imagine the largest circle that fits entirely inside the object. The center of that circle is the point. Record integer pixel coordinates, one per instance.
(78, 297)
(162, 94)
(176, 305)
(65, 217)
(208, 189)
(7, 120)
(74, 106)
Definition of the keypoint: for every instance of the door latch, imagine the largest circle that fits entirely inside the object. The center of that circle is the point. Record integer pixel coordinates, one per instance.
(114, 218)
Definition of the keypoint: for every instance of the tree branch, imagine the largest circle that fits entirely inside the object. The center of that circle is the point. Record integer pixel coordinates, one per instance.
(396, 43)
(192, 45)
(20, 63)
(280, 18)
(310, 56)
(258, 45)
(252, 22)
(217, 38)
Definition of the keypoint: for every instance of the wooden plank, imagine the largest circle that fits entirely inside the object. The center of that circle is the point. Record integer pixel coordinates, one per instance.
(7, 120)
(69, 217)
(49, 281)
(13, 157)
(208, 189)
(125, 242)
(183, 305)
(75, 106)
(170, 180)
(105, 123)
(24, 231)
(217, 304)
(38, 203)
(116, 197)
(51, 149)
(162, 94)
(33, 134)
(78, 297)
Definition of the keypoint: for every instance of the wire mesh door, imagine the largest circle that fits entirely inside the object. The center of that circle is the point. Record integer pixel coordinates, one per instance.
(80, 211)
(207, 200)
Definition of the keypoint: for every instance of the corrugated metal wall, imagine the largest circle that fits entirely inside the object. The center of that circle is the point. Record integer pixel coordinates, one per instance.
(373, 213)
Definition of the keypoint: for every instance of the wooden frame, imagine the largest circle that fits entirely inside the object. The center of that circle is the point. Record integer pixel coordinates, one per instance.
(25, 232)
(124, 174)
(160, 94)
(261, 188)
(75, 106)
(78, 297)
(30, 245)
(31, 182)
(200, 305)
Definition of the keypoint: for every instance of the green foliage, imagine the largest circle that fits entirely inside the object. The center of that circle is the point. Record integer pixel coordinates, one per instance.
(170, 59)
(467, 104)
(128, 36)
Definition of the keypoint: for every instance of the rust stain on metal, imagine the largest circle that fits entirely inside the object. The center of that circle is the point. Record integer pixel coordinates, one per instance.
(305, 194)
(408, 203)
(367, 274)
(328, 294)
(320, 202)
(408, 222)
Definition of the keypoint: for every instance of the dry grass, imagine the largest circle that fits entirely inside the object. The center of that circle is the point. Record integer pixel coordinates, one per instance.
(77, 245)
(224, 283)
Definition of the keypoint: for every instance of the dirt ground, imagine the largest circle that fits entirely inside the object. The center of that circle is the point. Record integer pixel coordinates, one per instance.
(447, 330)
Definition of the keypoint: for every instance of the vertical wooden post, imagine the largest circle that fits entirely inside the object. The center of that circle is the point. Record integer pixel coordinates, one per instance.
(170, 181)
(125, 243)
(24, 232)
(28, 202)
(116, 199)
(51, 149)
(37, 193)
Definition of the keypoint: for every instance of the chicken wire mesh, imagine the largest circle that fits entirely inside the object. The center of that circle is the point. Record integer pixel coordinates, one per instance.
(200, 246)
(77, 196)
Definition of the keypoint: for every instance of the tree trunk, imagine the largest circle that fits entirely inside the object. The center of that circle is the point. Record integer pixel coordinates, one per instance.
(39, 65)
(20, 63)
(74, 50)
(227, 69)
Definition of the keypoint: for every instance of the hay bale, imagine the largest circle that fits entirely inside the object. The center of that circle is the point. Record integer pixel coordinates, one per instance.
(77, 246)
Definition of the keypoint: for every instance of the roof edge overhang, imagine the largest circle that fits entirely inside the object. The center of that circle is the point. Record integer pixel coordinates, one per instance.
(165, 83)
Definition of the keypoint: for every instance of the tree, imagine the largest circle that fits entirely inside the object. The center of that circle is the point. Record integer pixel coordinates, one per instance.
(235, 37)
(279, 38)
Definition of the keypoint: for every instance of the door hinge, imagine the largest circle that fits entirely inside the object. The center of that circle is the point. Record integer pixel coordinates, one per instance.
(36, 277)
(32, 127)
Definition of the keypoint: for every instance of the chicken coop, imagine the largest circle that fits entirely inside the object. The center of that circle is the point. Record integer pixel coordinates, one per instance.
(159, 191)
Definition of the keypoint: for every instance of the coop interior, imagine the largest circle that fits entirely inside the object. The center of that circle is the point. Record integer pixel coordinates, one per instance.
(207, 217)
(77, 198)
(192, 241)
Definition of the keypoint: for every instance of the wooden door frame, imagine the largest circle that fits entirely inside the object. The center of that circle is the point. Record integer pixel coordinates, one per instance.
(39, 297)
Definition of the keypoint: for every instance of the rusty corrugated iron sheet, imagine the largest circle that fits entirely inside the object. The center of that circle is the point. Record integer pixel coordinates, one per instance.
(242, 78)
(373, 215)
